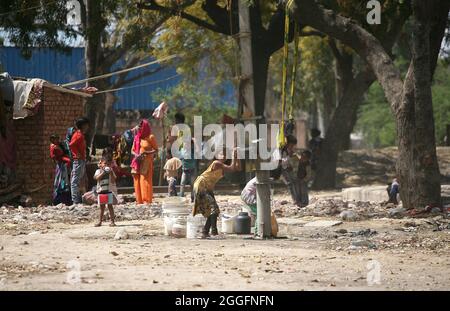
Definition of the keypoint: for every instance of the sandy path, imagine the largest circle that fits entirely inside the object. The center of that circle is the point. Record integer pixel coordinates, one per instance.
(150, 261)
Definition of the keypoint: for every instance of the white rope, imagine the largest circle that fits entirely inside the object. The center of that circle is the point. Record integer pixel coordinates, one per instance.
(120, 71)
(138, 85)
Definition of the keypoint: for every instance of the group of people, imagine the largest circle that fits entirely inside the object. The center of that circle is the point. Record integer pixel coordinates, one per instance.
(70, 156)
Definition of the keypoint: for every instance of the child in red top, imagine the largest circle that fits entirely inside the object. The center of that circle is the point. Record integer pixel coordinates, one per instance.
(78, 145)
(56, 151)
(61, 185)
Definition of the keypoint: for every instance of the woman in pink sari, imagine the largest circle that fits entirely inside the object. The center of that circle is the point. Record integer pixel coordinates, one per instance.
(144, 146)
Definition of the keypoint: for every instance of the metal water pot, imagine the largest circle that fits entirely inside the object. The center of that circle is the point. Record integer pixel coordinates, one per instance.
(243, 223)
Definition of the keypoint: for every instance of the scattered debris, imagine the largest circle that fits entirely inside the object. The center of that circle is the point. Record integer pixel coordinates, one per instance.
(364, 243)
(348, 215)
(365, 232)
(397, 212)
(323, 223)
(121, 234)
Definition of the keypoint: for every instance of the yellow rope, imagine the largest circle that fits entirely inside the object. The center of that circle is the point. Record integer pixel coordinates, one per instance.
(281, 138)
(294, 73)
(281, 134)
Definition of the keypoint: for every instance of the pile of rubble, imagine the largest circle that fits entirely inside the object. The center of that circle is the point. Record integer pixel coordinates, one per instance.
(76, 213)
(348, 210)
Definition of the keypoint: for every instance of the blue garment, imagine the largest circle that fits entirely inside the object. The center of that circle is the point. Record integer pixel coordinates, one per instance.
(61, 185)
(78, 172)
(188, 163)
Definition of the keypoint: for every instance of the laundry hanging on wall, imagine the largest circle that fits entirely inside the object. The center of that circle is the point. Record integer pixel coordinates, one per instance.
(27, 97)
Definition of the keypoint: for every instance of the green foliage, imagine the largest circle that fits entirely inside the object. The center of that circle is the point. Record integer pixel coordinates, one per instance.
(441, 99)
(35, 23)
(314, 75)
(377, 124)
(205, 54)
(375, 120)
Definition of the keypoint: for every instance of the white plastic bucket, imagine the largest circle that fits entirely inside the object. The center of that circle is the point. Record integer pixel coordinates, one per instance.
(168, 224)
(228, 224)
(194, 226)
(175, 205)
(179, 228)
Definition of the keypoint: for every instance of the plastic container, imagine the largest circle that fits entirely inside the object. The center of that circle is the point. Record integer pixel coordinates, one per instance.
(175, 205)
(228, 224)
(243, 223)
(179, 228)
(168, 224)
(194, 226)
(175, 209)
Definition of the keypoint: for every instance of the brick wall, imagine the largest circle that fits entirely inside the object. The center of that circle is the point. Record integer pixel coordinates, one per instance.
(34, 166)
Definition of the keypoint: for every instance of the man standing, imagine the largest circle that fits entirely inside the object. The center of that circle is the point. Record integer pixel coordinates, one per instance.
(78, 150)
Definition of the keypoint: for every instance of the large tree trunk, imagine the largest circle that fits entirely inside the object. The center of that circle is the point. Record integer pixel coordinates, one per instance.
(110, 115)
(93, 30)
(260, 71)
(420, 173)
(417, 165)
(329, 105)
(339, 129)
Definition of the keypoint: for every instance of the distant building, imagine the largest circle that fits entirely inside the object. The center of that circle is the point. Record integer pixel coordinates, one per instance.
(58, 67)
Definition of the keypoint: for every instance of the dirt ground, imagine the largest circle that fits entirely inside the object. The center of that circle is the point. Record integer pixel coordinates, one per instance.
(410, 254)
(58, 248)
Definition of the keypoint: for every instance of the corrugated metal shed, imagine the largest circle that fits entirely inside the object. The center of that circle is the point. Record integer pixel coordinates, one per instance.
(58, 68)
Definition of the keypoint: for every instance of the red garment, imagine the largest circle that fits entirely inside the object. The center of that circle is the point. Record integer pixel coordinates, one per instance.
(143, 132)
(78, 146)
(57, 154)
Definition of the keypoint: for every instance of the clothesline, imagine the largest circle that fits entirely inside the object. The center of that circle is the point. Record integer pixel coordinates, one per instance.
(139, 85)
(107, 75)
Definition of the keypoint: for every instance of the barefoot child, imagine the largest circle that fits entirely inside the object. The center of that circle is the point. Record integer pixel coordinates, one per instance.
(106, 180)
(171, 168)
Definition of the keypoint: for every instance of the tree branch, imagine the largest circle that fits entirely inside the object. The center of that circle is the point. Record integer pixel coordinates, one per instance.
(356, 37)
(153, 6)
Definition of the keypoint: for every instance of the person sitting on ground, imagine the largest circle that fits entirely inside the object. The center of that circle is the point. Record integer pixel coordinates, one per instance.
(106, 180)
(61, 184)
(304, 176)
(248, 196)
(289, 176)
(171, 168)
(393, 190)
(204, 200)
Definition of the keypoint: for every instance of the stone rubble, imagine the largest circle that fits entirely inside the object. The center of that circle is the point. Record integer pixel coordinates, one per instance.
(76, 213)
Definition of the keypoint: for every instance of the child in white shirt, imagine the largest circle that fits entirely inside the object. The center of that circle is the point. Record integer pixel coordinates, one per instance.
(106, 181)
